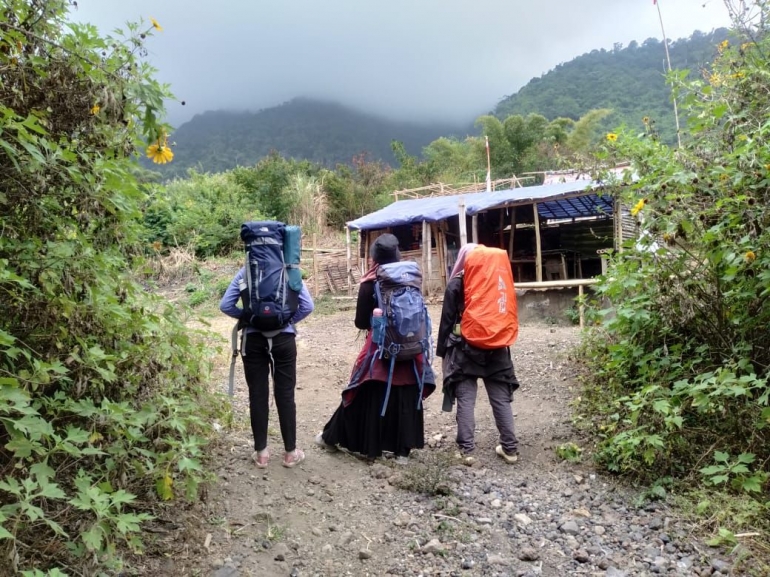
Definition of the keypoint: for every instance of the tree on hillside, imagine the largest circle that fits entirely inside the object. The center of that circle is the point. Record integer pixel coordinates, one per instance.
(532, 143)
(269, 180)
(456, 160)
(630, 81)
(583, 133)
(353, 191)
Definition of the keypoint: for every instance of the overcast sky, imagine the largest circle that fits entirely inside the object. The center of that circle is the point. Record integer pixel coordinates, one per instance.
(407, 59)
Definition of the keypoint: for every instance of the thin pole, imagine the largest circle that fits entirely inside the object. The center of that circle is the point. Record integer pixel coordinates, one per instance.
(347, 265)
(668, 62)
(316, 279)
(538, 247)
(489, 166)
(429, 271)
(582, 307)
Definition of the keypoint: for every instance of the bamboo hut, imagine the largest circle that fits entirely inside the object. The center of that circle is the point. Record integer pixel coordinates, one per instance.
(551, 232)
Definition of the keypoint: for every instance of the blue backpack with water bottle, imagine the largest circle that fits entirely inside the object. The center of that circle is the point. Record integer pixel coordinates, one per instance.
(271, 282)
(272, 274)
(403, 332)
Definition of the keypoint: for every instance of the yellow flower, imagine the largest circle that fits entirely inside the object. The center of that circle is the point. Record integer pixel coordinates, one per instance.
(723, 46)
(95, 109)
(750, 256)
(638, 207)
(646, 119)
(612, 137)
(155, 24)
(739, 74)
(715, 79)
(723, 177)
(160, 153)
(746, 45)
(156, 246)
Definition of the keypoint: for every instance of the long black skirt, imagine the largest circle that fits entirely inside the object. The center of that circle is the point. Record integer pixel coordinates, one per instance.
(359, 428)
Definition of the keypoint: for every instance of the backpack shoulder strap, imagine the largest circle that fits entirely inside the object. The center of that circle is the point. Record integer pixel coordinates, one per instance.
(389, 385)
(378, 293)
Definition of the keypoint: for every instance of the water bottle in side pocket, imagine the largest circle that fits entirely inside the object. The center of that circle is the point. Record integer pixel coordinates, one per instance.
(378, 326)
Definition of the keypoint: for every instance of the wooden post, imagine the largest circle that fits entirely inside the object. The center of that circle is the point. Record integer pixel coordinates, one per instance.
(581, 307)
(513, 228)
(361, 252)
(350, 272)
(538, 248)
(428, 274)
(502, 225)
(444, 250)
(617, 217)
(563, 266)
(475, 228)
(604, 262)
(463, 224)
(436, 233)
(316, 279)
(424, 256)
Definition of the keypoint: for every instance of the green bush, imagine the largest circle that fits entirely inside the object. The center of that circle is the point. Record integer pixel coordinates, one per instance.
(203, 211)
(102, 402)
(677, 374)
(268, 184)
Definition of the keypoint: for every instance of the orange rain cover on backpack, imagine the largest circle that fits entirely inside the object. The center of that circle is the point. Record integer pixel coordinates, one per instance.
(490, 319)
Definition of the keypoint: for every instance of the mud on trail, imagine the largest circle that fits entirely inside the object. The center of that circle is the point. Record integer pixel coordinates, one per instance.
(338, 515)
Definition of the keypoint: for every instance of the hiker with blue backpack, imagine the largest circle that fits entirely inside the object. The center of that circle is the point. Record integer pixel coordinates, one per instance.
(479, 324)
(381, 408)
(274, 299)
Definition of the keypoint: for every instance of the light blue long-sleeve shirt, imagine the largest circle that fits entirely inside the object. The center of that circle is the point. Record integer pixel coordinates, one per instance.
(229, 304)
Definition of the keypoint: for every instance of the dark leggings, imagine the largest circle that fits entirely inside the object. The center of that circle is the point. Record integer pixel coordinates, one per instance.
(256, 365)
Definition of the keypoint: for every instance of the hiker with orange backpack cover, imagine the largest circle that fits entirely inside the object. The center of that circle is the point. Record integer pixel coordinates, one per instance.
(479, 323)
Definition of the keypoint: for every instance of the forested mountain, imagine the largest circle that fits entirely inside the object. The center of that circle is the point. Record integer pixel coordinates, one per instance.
(323, 132)
(629, 80)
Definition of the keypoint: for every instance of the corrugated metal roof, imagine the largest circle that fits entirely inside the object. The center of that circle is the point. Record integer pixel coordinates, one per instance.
(558, 200)
(587, 205)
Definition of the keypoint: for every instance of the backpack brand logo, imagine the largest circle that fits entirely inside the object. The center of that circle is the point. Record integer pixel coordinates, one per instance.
(502, 302)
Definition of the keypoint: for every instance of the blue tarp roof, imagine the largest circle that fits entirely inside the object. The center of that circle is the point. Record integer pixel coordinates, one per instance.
(553, 202)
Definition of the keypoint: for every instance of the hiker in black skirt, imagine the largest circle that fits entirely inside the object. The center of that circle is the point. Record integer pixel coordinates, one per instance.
(357, 425)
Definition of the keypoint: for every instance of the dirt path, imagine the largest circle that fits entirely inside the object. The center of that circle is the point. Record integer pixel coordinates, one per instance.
(337, 515)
